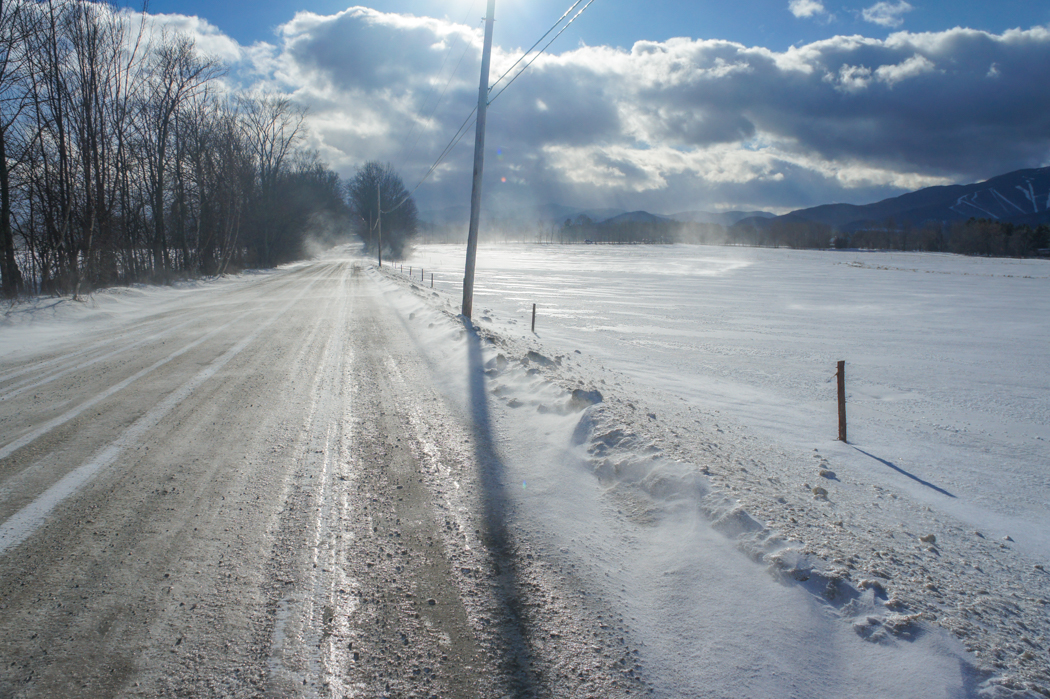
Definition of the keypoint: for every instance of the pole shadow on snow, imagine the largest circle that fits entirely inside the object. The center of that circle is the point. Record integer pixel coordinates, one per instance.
(901, 471)
(517, 636)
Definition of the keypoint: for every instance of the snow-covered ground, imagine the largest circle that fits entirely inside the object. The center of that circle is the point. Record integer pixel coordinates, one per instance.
(716, 367)
(704, 502)
(51, 321)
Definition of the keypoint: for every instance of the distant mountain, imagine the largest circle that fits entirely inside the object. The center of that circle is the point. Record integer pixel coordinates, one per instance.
(1021, 197)
(726, 218)
(593, 214)
(557, 213)
(635, 217)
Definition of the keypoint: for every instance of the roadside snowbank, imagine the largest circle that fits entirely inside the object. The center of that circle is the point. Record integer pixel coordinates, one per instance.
(27, 325)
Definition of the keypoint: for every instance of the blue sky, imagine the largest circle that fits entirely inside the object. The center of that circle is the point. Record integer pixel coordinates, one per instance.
(767, 23)
(764, 104)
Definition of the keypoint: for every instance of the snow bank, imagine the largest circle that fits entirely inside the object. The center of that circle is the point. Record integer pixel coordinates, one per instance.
(28, 325)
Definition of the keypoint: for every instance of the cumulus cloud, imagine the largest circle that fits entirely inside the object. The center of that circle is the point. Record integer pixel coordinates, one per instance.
(911, 68)
(671, 125)
(806, 8)
(887, 14)
(208, 38)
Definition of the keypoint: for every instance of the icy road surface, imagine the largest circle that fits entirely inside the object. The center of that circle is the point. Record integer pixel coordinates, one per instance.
(320, 482)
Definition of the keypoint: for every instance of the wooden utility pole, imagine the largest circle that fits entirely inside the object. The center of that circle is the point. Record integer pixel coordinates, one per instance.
(841, 374)
(379, 221)
(479, 163)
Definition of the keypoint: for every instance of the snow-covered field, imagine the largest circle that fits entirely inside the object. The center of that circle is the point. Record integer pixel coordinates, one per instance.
(719, 361)
(947, 357)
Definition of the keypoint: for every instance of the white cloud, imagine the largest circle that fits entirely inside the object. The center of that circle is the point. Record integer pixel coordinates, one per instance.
(913, 67)
(886, 14)
(208, 38)
(806, 8)
(850, 78)
(668, 125)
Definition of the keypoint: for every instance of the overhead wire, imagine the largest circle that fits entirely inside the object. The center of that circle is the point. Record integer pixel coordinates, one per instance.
(465, 126)
(456, 138)
(541, 51)
(522, 57)
(436, 105)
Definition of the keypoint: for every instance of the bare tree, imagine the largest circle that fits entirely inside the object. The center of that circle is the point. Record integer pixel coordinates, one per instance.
(15, 26)
(272, 127)
(175, 73)
(119, 161)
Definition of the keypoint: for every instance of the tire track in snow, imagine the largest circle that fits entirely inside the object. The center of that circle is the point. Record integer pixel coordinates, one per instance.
(26, 439)
(306, 644)
(19, 389)
(23, 523)
(50, 425)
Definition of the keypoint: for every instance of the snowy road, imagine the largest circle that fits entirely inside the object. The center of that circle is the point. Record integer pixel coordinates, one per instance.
(320, 482)
(253, 491)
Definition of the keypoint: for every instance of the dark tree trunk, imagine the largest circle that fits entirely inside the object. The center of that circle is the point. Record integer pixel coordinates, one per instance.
(12, 278)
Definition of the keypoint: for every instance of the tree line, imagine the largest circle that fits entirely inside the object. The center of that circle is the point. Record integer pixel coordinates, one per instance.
(984, 237)
(972, 237)
(124, 157)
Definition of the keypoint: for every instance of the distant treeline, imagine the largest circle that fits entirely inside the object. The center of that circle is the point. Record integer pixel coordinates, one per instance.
(972, 237)
(123, 158)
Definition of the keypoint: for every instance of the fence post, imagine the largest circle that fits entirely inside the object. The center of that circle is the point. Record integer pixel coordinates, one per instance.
(841, 374)
(431, 280)
(533, 317)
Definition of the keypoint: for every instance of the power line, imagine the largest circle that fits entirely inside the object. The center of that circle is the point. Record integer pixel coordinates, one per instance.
(456, 138)
(465, 126)
(540, 53)
(436, 104)
(522, 57)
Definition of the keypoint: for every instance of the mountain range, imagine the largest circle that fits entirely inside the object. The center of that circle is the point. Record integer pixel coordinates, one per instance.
(557, 214)
(1021, 197)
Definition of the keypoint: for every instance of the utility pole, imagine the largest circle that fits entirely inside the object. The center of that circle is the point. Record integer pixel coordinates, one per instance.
(379, 222)
(479, 163)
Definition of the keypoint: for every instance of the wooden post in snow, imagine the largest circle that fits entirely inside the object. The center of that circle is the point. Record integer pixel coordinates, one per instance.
(533, 317)
(841, 374)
